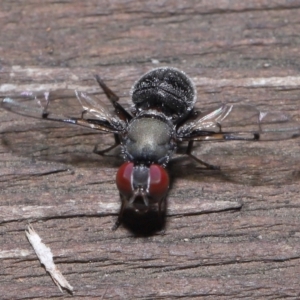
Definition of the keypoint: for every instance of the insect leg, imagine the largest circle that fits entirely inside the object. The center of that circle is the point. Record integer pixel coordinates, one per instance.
(120, 216)
(161, 213)
(102, 152)
(113, 98)
(189, 153)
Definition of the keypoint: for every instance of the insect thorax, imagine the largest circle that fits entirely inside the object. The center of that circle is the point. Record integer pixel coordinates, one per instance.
(149, 139)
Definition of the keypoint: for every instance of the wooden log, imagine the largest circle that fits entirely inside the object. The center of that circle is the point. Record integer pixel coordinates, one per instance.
(230, 234)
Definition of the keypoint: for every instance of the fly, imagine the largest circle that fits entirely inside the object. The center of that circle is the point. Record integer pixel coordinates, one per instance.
(162, 116)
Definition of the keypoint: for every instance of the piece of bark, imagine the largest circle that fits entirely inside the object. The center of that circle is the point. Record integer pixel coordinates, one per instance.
(238, 52)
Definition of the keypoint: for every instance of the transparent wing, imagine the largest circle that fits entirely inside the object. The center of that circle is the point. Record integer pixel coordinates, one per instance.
(239, 122)
(69, 106)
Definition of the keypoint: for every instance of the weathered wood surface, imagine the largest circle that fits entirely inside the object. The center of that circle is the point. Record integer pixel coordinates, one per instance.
(232, 234)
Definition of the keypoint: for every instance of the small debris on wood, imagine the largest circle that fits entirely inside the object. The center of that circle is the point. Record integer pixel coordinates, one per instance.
(46, 258)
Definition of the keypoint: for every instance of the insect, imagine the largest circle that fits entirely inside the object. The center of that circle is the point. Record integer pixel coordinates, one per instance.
(162, 116)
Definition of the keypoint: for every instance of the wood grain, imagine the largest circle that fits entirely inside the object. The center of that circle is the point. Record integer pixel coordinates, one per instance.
(230, 234)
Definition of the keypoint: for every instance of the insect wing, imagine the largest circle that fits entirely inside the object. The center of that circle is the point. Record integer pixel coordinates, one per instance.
(26, 104)
(67, 106)
(240, 122)
(94, 108)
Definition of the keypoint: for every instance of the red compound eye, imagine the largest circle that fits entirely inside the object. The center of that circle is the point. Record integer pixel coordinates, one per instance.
(159, 182)
(124, 178)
